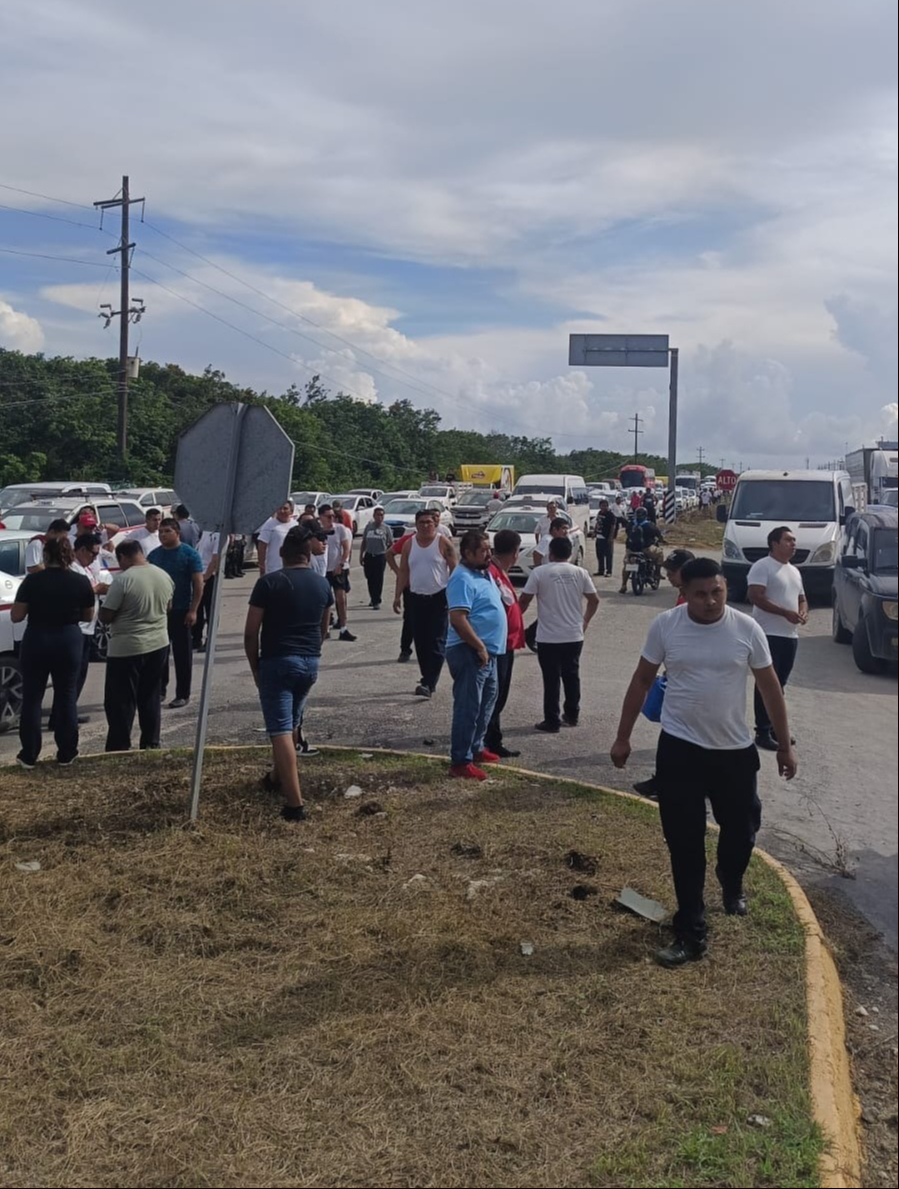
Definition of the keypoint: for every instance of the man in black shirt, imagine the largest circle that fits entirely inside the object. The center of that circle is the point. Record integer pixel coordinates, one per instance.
(287, 620)
(605, 530)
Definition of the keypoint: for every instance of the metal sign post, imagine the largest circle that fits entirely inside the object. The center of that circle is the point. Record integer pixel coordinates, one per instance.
(233, 468)
(636, 350)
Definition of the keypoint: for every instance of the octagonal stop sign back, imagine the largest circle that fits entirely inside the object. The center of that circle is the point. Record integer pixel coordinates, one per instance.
(233, 467)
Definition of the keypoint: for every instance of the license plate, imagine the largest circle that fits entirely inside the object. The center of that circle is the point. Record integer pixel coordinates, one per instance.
(632, 569)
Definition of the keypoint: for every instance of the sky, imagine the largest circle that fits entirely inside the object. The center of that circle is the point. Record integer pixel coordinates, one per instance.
(422, 201)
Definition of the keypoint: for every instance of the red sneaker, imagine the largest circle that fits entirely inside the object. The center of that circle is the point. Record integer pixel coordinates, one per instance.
(487, 757)
(467, 772)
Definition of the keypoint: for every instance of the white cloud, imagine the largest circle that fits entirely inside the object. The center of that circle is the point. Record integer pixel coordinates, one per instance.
(18, 331)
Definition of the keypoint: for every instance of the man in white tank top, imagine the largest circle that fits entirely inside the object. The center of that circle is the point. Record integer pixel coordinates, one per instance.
(426, 562)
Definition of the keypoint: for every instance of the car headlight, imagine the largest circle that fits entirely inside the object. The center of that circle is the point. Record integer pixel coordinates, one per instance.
(824, 554)
(734, 552)
(891, 610)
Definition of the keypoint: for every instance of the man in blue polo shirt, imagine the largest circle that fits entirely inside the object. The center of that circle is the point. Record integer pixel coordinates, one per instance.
(476, 637)
(184, 566)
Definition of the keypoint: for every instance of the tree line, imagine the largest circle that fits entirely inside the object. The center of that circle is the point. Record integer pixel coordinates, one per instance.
(59, 422)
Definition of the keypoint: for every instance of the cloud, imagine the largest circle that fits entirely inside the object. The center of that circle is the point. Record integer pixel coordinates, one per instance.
(18, 331)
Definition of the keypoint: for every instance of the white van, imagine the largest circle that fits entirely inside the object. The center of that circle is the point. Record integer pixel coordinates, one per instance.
(570, 488)
(814, 505)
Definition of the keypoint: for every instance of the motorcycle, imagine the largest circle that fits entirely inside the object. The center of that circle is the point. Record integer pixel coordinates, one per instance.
(642, 572)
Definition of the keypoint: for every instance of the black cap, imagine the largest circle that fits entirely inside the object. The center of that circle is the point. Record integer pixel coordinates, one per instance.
(677, 559)
(312, 528)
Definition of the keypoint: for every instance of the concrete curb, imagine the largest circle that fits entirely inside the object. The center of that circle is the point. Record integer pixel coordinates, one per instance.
(834, 1104)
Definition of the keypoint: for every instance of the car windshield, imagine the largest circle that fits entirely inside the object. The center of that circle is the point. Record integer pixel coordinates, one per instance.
(348, 501)
(10, 496)
(29, 519)
(519, 522)
(404, 507)
(884, 551)
(476, 499)
(891, 498)
(305, 497)
(781, 499)
(434, 491)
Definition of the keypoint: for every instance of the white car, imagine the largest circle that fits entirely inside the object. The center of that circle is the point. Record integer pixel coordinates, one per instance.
(387, 497)
(374, 493)
(360, 507)
(400, 515)
(151, 497)
(524, 521)
(302, 498)
(438, 491)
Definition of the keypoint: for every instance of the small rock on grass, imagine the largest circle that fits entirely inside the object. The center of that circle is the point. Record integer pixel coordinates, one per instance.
(416, 884)
(760, 1121)
(527, 949)
(29, 866)
(861, 1011)
(353, 791)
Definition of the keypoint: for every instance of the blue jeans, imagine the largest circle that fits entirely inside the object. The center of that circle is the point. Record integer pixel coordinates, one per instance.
(284, 685)
(474, 696)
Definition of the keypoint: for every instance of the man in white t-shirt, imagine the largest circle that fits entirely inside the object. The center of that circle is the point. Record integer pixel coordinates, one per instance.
(340, 546)
(705, 748)
(542, 526)
(271, 536)
(34, 550)
(779, 606)
(208, 548)
(147, 534)
(566, 602)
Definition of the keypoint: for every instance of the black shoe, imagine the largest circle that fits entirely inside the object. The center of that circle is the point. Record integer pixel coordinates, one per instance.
(178, 703)
(548, 728)
(68, 762)
(404, 658)
(647, 788)
(505, 753)
(347, 636)
(28, 765)
(306, 752)
(680, 952)
(735, 906)
(422, 690)
(293, 813)
(569, 722)
(765, 741)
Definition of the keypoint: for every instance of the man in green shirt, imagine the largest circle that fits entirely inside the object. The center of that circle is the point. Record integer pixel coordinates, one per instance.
(136, 608)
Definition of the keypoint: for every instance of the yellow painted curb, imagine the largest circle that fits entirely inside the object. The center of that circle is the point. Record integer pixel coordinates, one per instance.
(834, 1103)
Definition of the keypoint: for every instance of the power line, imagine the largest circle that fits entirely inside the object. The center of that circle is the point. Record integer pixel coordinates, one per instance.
(43, 215)
(636, 431)
(47, 198)
(64, 259)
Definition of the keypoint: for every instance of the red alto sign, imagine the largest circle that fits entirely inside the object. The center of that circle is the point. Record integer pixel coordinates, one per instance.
(726, 480)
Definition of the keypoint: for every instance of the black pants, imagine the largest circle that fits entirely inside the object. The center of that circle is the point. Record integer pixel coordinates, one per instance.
(50, 654)
(134, 683)
(430, 619)
(605, 552)
(685, 776)
(374, 566)
(504, 665)
(561, 665)
(234, 558)
(406, 634)
(86, 648)
(181, 646)
(783, 656)
(204, 611)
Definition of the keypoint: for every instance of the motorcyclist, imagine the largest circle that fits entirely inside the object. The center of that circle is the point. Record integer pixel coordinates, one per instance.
(643, 537)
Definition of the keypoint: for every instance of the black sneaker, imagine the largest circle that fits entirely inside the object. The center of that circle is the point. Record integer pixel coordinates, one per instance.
(306, 751)
(347, 636)
(293, 813)
(680, 952)
(569, 722)
(765, 741)
(422, 690)
(28, 765)
(404, 658)
(505, 753)
(548, 728)
(647, 788)
(67, 763)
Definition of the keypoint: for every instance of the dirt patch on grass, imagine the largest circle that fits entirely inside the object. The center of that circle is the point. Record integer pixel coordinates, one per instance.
(695, 530)
(414, 996)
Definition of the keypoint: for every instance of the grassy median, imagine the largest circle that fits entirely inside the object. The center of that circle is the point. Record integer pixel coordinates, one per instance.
(426, 985)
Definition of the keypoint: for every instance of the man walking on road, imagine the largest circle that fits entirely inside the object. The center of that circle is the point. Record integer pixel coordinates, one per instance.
(605, 530)
(377, 538)
(506, 544)
(394, 556)
(136, 608)
(476, 637)
(340, 546)
(705, 749)
(426, 562)
(779, 607)
(185, 567)
(561, 590)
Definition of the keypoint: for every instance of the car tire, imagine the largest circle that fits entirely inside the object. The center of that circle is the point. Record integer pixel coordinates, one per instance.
(10, 692)
(355, 529)
(861, 651)
(841, 634)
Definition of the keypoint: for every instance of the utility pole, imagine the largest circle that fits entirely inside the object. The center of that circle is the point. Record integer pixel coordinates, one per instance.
(125, 313)
(701, 454)
(636, 431)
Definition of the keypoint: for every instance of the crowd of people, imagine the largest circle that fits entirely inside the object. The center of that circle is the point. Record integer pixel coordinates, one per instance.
(459, 610)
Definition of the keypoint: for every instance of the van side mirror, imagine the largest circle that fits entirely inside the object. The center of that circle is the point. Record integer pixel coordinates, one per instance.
(850, 562)
(847, 512)
(721, 514)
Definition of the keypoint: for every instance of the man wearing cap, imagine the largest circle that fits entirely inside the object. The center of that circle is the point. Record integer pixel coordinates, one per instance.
(287, 620)
(672, 565)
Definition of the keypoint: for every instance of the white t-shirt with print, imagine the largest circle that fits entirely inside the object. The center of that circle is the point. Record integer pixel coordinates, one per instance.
(707, 666)
(559, 587)
(783, 586)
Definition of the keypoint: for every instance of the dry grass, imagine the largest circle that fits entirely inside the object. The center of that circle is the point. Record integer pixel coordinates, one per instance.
(695, 530)
(257, 1004)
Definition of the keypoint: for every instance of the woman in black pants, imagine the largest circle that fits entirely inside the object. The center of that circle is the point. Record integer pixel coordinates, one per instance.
(54, 600)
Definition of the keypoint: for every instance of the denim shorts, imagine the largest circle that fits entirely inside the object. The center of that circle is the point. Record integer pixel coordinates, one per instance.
(284, 685)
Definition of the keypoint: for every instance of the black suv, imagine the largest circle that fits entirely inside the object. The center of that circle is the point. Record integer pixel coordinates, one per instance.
(865, 590)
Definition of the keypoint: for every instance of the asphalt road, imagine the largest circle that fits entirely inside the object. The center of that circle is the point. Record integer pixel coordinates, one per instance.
(839, 812)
